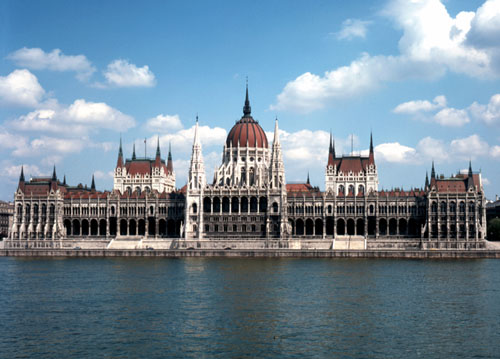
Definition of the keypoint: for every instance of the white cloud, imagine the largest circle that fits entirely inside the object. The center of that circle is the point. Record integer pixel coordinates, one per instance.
(164, 123)
(352, 28)
(485, 26)
(20, 88)
(37, 59)
(490, 113)
(469, 147)
(394, 153)
(51, 146)
(14, 171)
(413, 107)
(432, 43)
(79, 118)
(495, 151)
(103, 175)
(452, 117)
(121, 73)
(431, 148)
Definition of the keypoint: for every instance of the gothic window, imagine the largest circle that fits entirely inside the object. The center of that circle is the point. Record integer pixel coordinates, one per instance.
(195, 208)
(138, 190)
(361, 189)
(275, 207)
(341, 190)
(351, 189)
(252, 177)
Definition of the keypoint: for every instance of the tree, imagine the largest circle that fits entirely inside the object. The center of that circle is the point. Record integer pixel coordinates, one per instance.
(494, 229)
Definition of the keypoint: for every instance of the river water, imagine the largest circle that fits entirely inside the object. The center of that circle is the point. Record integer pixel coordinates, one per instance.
(249, 308)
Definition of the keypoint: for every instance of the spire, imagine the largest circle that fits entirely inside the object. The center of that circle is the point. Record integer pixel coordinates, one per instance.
(331, 151)
(158, 147)
(247, 110)
(371, 142)
(276, 135)
(54, 176)
(21, 177)
(196, 139)
(433, 172)
(308, 181)
(92, 186)
(64, 180)
(170, 165)
(119, 162)
(470, 169)
(133, 152)
(426, 179)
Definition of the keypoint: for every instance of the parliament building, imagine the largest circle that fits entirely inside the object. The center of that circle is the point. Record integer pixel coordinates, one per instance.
(249, 200)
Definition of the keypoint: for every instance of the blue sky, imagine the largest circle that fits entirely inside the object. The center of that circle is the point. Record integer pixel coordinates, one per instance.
(421, 75)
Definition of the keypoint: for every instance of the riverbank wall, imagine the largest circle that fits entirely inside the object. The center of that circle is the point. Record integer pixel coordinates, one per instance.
(256, 253)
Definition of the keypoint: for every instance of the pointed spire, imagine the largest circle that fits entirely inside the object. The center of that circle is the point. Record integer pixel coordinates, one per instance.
(64, 180)
(371, 156)
(120, 151)
(170, 165)
(433, 172)
(276, 135)
(158, 147)
(119, 162)
(92, 186)
(371, 142)
(470, 169)
(426, 180)
(21, 177)
(331, 151)
(247, 110)
(133, 152)
(196, 139)
(54, 176)
(308, 181)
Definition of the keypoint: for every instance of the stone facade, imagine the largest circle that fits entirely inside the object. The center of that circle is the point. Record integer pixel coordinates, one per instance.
(249, 201)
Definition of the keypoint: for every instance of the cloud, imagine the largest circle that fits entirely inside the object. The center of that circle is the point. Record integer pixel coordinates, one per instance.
(472, 146)
(20, 88)
(50, 145)
(121, 73)
(495, 151)
(14, 171)
(164, 123)
(431, 148)
(413, 107)
(485, 26)
(352, 28)
(490, 113)
(394, 152)
(79, 118)
(103, 175)
(432, 43)
(37, 59)
(452, 117)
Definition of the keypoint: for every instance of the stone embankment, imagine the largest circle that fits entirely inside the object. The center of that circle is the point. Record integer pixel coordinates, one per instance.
(270, 253)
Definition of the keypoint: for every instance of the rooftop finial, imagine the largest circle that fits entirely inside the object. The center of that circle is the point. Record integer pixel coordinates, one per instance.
(247, 110)
(470, 168)
(308, 181)
(92, 186)
(433, 172)
(54, 177)
(133, 152)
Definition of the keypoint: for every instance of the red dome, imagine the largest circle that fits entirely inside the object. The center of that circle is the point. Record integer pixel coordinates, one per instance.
(247, 129)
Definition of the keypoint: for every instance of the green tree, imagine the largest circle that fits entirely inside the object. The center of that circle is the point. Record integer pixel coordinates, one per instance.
(494, 229)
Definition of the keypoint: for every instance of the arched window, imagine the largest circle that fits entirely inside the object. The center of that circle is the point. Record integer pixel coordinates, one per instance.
(195, 208)
(361, 189)
(275, 207)
(341, 190)
(138, 190)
